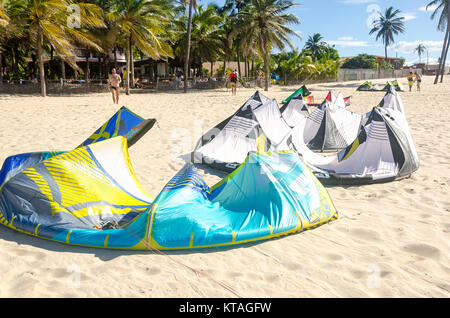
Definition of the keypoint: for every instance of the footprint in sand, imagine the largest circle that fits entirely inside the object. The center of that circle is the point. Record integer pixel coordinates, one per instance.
(365, 234)
(333, 257)
(446, 227)
(153, 270)
(424, 250)
(291, 265)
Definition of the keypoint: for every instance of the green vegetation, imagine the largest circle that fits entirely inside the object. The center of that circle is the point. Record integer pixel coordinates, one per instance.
(388, 25)
(34, 32)
(361, 61)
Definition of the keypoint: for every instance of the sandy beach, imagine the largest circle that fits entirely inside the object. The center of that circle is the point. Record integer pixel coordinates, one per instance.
(391, 240)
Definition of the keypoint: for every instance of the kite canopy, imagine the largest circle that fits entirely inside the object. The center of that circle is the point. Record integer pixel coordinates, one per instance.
(397, 85)
(69, 196)
(332, 98)
(369, 87)
(269, 195)
(294, 110)
(123, 123)
(256, 126)
(366, 86)
(90, 196)
(383, 150)
(331, 126)
(302, 91)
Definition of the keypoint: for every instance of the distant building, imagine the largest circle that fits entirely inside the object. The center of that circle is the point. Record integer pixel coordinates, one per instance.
(430, 69)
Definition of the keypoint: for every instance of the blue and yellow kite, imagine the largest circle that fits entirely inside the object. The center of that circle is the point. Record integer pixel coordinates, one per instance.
(90, 196)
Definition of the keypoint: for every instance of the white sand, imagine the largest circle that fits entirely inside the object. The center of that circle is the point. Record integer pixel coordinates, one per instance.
(392, 239)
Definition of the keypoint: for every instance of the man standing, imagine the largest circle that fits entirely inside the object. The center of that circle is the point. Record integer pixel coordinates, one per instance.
(114, 85)
(232, 78)
(419, 80)
(411, 78)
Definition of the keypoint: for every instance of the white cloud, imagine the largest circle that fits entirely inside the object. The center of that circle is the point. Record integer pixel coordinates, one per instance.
(408, 16)
(346, 38)
(299, 33)
(357, 1)
(431, 61)
(430, 8)
(351, 43)
(408, 47)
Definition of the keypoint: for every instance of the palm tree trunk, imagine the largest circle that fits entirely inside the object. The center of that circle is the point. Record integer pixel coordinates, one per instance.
(385, 52)
(442, 61)
(40, 41)
(253, 66)
(448, 41)
(188, 46)
(50, 63)
(1, 69)
(63, 70)
(263, 49)
(212, 68)
(86, 72)
(239, 62)
(266, 72)
(115, 58)
(131, 63)
(445, 56)
(127, 71)
(100, 69)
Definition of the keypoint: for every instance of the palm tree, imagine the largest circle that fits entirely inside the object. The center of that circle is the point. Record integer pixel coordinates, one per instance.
(192, 5)
(315, 45)
(442, 7)
(45, 22)
(387, 26)
(420, 49)
(141, 23)
(4, 21)
(206, 36)
(266, 21)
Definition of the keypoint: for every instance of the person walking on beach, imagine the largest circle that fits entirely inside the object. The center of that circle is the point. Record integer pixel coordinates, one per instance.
(114, 85)
(411, 77)
(419, 80)
(232, 78)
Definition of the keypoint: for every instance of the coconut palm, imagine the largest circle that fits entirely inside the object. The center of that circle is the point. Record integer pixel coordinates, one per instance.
(443, 11)
(141, 23)
(420, 49)
(4, 19)
(315, 45)
(192, 5)
(206, 36)
(46, 24)
(387, 26)
(267, 22)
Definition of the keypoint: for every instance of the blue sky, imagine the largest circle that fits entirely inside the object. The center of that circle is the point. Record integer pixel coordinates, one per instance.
(344, 23)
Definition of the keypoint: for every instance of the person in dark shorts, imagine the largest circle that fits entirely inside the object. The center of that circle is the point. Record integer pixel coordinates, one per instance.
(232, 78)
(419, 81)
(114, 85)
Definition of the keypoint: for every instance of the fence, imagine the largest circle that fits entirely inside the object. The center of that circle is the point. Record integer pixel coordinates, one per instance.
(345, 75)
(55, 87)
